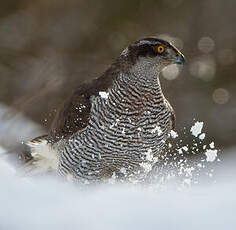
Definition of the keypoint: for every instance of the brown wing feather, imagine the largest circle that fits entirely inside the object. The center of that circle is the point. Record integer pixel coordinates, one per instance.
(74, 114)
(173, 117)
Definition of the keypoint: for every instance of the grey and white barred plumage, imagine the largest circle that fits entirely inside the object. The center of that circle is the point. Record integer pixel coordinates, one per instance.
(116, 125)
(129, 122)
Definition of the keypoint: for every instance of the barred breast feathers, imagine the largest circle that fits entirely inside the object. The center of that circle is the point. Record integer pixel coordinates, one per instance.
(125, 121)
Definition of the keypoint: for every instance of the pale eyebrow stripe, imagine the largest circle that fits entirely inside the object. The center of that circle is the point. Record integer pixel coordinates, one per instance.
(143, 42)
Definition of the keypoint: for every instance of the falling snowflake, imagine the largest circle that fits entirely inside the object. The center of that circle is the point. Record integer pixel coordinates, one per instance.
(103, 94)
(196, 128)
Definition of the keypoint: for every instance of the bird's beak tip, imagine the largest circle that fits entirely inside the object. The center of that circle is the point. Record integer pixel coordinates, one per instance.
(180, 60)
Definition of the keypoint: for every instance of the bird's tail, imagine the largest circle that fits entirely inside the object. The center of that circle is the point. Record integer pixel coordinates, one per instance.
(40, 157)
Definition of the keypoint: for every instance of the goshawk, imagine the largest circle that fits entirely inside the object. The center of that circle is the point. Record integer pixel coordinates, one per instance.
(116, 125)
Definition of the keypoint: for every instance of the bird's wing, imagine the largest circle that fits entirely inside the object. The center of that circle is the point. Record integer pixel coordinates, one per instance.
(173, 117)
(74, 114)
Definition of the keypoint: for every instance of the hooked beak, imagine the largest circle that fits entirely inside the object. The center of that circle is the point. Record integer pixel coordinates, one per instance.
(180, 59)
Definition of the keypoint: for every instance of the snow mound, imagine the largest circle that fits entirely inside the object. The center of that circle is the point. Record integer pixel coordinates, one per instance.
(48, 203)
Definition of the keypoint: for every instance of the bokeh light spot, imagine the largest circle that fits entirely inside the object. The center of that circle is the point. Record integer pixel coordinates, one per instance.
(220, 96)
(203, 68)
(206, 44)
(171, 72)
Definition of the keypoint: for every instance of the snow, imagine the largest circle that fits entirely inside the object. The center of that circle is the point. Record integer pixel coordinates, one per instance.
(212, 145)
(180, 150)
(2, 150)
(149, 155)
(185, 148)
(187, 181)
(103, 94)
(146, 166)
(49, 203)
(4, 165)
(123, 170)
(211, 155)
(202, 136)
(157, 129)
(173, 134)
(196, 129)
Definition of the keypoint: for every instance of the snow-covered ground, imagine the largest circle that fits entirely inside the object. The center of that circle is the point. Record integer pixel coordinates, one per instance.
(48, 203)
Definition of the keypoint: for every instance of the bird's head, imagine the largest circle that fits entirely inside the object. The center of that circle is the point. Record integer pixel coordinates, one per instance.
(151, 53)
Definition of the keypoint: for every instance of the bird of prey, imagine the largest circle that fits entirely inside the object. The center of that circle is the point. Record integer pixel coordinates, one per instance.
(116, 125)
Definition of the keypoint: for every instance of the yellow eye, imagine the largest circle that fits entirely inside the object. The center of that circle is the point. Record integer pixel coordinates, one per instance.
(160, 49)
